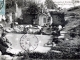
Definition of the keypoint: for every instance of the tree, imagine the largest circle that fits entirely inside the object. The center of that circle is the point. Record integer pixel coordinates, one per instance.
(50, 4)
(10, 4)
(33, 10)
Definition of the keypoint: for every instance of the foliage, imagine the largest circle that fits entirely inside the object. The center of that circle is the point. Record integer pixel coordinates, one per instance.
(50, 4)
(10, 4)
(33, 8)
(20, 3)
(32, 11)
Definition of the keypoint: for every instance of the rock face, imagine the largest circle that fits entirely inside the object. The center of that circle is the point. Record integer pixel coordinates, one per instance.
(6, 57)
(17, 58)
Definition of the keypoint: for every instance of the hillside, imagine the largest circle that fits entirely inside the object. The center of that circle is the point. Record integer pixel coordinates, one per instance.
(75, 10)
(73, 18)
(72, 23)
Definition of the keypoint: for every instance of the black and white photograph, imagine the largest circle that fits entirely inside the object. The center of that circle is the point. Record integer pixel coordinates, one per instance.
(39, 29)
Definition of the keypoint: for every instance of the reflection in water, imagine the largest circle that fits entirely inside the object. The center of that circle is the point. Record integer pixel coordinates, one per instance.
(15, 40)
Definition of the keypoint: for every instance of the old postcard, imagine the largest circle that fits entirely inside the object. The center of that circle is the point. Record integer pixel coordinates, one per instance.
(39, 29)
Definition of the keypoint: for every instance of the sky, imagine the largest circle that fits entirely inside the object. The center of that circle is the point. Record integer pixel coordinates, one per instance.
(63, 3)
